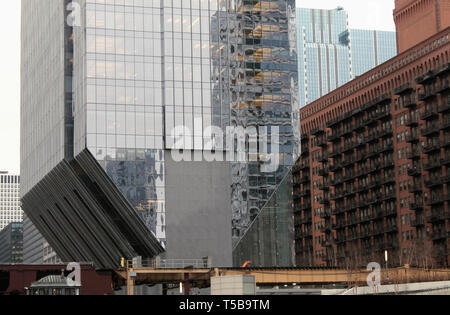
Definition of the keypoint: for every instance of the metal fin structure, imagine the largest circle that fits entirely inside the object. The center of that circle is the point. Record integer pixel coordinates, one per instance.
(85, 218)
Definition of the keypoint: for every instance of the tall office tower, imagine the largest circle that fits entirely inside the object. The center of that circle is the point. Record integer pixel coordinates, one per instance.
(104, 175)
(331, 54)
(10, 210)
(370, 48)
(11, 243)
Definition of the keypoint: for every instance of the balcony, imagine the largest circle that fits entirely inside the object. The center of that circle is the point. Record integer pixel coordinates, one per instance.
(323, 158)
(438, 217)
(335, 167)
(303, 234)
(388, 180)
(382, 115)
(386, 132)
(431, 130)
(412, 122)
(443, 70)
(304, 179)
(337, 211)
(304, 207)
(337, 195)
(324, 200)
(322, 142)
(433, 182)
(391, 229)
(382, 99)
(336, 152)
(387, 147)
(302, 221)
(436, 200)
(327, 228)
(418, 222)
(305, 151)
(372, 138)
(427, 95)
(305, 192)
(426, 78)
(387, 164)
(304, 165)
(324, 186)
(347, 162)
(403, 89)
(414, 155)
(373, 152)
(324, 171)
(444, 107)
(432, 165)
(414, 138)
(411, 103)
(445, 161)
(429, 113)
(390, 196)
(374, 184)
(317, 132)
(445, 124)
(326, 214)
(415, 171)
(439, 235)
(351, 206)
(431, 148)
(333, 137)
(417, 206)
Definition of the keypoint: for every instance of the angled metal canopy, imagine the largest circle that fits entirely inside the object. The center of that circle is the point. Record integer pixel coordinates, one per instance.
(84, 217)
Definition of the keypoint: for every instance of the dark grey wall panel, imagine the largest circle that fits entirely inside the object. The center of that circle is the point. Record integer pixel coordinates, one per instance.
(198, 210)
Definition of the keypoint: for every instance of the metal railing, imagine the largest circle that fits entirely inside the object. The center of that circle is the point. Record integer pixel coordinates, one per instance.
(157, 263)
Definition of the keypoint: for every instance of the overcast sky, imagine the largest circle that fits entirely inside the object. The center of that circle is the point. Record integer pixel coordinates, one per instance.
(370, 14)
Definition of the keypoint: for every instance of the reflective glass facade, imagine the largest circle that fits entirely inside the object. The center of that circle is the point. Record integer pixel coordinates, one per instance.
(330, 54)
(152, 66)
(144, 67)
(270, 239)
(11, 244)
(371, 48)
(255, 82)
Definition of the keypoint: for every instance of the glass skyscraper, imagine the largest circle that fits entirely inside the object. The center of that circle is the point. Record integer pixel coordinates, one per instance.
(331, 54)
(370, 49)
(130, 72)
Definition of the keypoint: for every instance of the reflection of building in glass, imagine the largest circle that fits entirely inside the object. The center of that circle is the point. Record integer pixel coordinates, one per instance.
(139, 71)
(331, 54)
(254, 66)
(11, 243)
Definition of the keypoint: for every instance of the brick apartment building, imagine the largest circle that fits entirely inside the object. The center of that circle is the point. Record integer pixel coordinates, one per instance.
(374, 172)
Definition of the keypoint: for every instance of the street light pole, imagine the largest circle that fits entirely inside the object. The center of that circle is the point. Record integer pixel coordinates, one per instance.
(387, 268)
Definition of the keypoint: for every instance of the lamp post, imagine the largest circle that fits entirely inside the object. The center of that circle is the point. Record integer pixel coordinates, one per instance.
(387, 268)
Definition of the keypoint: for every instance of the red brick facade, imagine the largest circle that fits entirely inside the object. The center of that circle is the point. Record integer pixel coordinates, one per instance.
(374, 173)
(417, 20)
